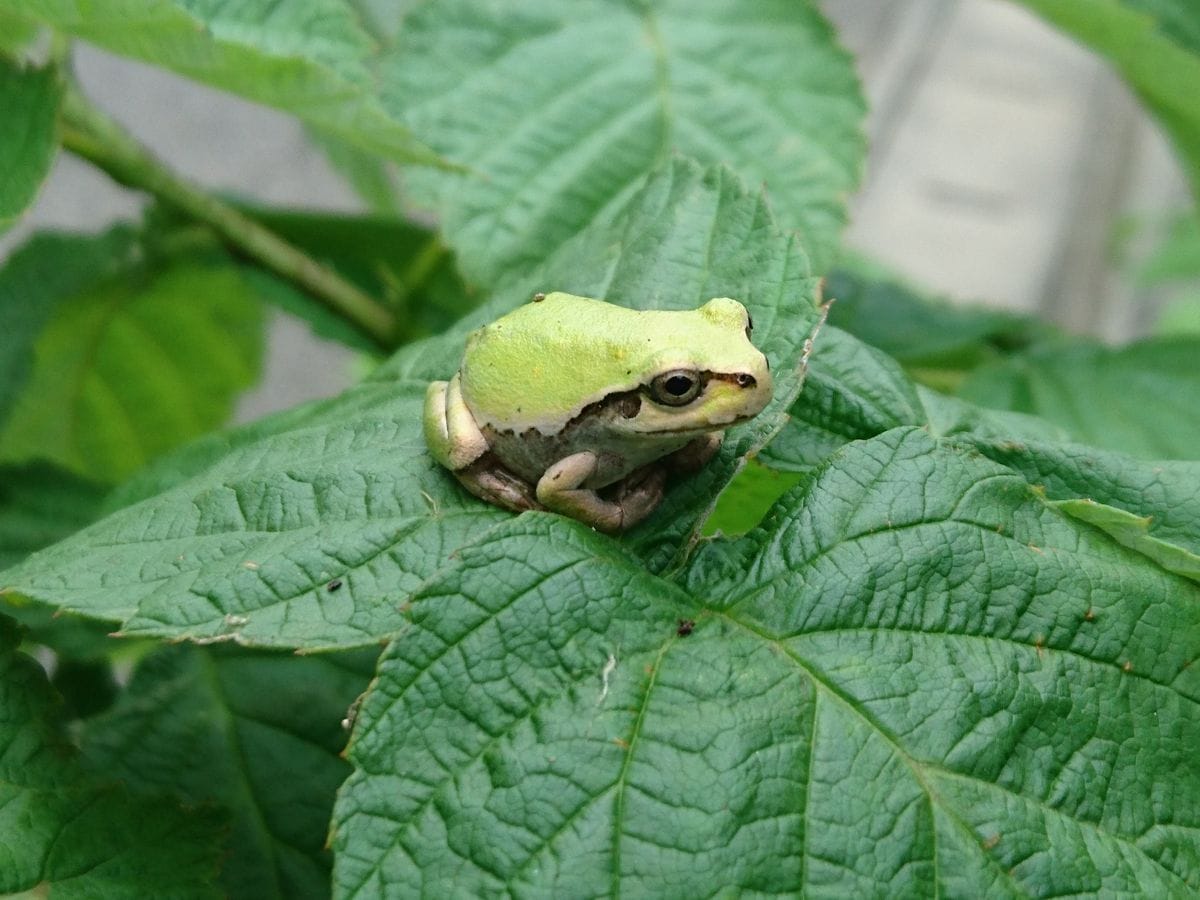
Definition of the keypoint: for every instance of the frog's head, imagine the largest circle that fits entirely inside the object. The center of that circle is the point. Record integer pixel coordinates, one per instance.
(703, 375)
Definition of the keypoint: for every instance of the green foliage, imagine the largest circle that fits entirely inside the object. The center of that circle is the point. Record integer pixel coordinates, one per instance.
(255, 735)
(309, 58)
(950, 651)
(402, 263)
(35, 280)
(65, 830)
(936, 341)
(1134, 532)
(40, 504)
(557, 111)
(255, 526)
(747, 498)
(28, 107)
(914, 654)
(125, 367)
(1140, 399)
(1175, 267)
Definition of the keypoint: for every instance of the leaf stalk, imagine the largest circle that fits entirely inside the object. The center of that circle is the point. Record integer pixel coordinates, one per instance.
(91, 134)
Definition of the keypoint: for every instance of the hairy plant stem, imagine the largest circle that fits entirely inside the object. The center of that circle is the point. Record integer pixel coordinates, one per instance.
(92, 135)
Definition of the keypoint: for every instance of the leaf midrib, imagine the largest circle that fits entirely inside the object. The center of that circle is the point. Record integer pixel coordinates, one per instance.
(919, 768)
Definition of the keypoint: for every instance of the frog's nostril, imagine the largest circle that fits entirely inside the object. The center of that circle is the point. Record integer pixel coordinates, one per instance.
(746, 381)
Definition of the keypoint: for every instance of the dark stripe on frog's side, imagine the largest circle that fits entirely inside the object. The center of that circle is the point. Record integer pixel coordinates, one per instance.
(529, 453)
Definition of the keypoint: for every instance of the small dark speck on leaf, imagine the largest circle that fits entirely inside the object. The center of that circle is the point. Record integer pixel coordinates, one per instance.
(991, 842)
(333, 585)
(686, 626)
(623, 744)
(1090, 615)
(1128, 667)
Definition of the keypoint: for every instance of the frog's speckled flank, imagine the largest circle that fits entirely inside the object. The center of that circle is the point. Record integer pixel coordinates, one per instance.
(582, 407)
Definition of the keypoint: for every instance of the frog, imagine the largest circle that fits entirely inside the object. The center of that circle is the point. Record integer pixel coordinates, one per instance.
(585, 408)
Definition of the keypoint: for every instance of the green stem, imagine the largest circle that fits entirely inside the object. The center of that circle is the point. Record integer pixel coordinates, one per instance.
(89, 133)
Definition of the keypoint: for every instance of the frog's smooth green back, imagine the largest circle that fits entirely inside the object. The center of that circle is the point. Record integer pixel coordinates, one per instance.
(541, 364)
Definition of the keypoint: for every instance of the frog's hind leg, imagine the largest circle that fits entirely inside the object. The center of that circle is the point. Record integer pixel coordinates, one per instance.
(450, 430)
(457, 443)
(636, 496)
(490, 481)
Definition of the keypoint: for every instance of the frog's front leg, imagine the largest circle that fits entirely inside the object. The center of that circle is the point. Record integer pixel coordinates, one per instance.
(457, 443)
(559, 491)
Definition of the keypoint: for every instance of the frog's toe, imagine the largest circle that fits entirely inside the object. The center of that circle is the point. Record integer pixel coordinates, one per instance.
(635, 498)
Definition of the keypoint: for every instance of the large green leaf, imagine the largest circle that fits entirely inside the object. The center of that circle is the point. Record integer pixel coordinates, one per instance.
(917, 678)
(35, 279)
(1138, 399)
(1165, 493)
(855, 391)
(131, 363)
(255, 734)
(307, 57)
(1134, 532)
(557, 110)
(1155, 44)
(69, 834)
(311, 528)
(28, 140)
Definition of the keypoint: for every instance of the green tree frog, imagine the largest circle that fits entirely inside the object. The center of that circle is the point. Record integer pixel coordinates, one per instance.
(583, 407)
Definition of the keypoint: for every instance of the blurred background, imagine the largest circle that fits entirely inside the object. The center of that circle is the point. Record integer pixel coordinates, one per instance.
(1008, 165)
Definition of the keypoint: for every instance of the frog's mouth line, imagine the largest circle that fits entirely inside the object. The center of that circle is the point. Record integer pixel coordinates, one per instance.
(700, 429)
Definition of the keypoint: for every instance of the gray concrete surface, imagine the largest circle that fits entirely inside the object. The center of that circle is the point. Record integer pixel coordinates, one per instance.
(1003, 156)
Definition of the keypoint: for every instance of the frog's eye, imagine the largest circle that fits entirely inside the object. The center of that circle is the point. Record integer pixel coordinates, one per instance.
(676, 388)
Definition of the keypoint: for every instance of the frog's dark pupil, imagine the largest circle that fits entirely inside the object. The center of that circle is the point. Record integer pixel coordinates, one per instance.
(678, 385)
